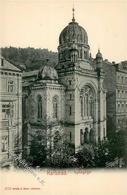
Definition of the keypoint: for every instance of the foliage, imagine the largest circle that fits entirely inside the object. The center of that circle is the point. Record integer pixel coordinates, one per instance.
(57, 151)
(47, 149)
(63, 156)
(85, 156)
(37, 156)
(102, 154)
(112, 151)
(30, 57)
(62, 152)
(118, 145)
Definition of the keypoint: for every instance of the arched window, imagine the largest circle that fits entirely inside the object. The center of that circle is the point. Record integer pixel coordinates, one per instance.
(80, 53)
(104, 134)
(39, 106)
(78, 38)
(81, 136)
(87, 102)
(55, 106)
(70, 110)
(85, 54)
(91, 136)
(82, 107)
(122, 79)
(86, 136)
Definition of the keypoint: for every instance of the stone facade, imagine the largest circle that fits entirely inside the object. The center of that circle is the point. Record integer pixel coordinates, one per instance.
(83, 78)
(116, 84)
(121, 95)
(43, 103)
(11, 111)
(73, 94)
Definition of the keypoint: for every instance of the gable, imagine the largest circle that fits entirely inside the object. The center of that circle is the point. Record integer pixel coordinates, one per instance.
(9, 66)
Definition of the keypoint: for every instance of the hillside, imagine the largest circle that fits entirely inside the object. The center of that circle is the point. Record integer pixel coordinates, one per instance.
(30, 57)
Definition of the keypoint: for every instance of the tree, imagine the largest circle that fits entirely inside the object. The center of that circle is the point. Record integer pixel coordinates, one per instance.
(118, 145)
(30, 57)
(85, 156)
(50, 146)
(60, 152)
(37, 156)
(102, 154)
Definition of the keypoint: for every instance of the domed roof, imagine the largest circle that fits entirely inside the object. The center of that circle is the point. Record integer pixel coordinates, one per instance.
(99, 54)
(48, 72)
(73, 33)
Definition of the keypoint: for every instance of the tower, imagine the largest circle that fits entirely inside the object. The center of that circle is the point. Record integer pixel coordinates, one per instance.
(85, 97)
(73, 43)
(99, 60)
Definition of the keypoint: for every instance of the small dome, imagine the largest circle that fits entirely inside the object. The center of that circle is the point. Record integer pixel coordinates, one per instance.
(99, 54)
(48, 72)
(73, 33)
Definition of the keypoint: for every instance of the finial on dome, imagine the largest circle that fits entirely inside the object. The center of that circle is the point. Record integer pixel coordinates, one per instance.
(99, 58)
(99, 54)
(73, 10)
(99, 51)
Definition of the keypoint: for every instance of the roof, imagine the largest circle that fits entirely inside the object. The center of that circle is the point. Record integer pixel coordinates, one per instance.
(46, 72)
(8, 66)
(49, 72)
(30, 73)
(73, 31)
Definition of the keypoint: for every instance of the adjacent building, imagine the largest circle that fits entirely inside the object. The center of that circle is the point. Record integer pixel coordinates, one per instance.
(121, 95)
(10, 111)
(115, 83)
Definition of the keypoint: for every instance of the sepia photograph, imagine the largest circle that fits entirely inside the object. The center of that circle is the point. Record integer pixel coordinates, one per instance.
(63, 95)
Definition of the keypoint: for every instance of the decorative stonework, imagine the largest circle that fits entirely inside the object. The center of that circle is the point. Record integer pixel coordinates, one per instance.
(61, 94)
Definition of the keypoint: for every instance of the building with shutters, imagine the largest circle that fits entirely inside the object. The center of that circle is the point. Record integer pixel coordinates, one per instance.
(10, 111)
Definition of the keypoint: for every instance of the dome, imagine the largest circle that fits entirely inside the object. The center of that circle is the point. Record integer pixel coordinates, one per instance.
(99, 54)
(73, 43)
(73, 33)
(48, 72)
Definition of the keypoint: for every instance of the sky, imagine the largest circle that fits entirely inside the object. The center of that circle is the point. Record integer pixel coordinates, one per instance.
(38, 23)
